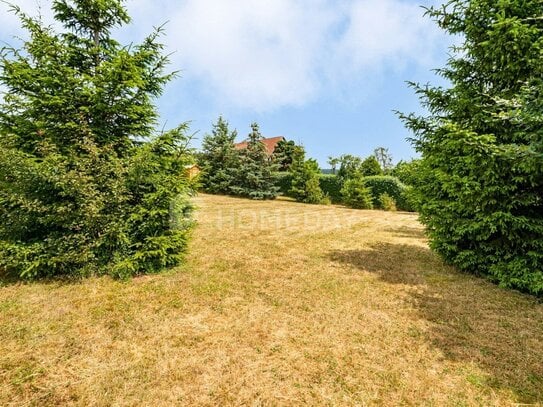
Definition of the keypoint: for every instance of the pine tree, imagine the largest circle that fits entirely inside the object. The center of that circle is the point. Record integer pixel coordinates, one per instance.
(305, 185)
(481, 173)
(355, 193)
(256, 173)
(85, 186)
(219, 160)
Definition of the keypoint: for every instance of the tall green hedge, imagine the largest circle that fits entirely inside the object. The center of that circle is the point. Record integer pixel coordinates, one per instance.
(386, 184)
(331, 185)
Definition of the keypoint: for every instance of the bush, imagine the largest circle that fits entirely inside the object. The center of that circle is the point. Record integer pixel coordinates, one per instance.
(331, 186)
(313, 192)
(387, 203)
(385, 184)
(356, 195)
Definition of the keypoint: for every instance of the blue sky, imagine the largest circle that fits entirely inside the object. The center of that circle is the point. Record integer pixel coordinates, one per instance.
(327, 74)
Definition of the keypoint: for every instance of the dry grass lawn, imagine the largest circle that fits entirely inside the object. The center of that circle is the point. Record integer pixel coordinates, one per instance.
(279, 304)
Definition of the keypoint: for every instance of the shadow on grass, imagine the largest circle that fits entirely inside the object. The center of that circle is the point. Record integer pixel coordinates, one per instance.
(471, 320)
(10, 279)
(407, 232)
(393, 263)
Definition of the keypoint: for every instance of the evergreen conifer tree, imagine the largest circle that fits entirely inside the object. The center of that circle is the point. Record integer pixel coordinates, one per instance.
(85, 185)
(283, 154)
(481, 173)
(256, 177)
(219, 160)
(355, 193)
(305, 185)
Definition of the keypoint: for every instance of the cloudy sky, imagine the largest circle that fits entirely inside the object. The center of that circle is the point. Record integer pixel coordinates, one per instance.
(325, 73)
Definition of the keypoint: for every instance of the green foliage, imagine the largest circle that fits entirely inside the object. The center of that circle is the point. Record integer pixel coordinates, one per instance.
(305, 185)
(283, 154)
(256, 173)
(334, 162)
(386, 184)
(219, 160)
(85, 187)
(482, 144)
(283, 181)
(350, 167)
(408, 172)
(387, 203)
(331, 186)
(356, 195)
(370, 166)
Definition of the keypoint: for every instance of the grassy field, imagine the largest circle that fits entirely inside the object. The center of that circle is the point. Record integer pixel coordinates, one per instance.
(279, 304)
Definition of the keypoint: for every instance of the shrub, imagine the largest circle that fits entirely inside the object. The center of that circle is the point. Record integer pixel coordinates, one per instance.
(387, 203)
(313, 192)
(356, 195)
(385, 184)
(331, 186)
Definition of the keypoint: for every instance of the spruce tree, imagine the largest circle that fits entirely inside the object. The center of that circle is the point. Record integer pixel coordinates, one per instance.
(481, 173)
(219, 159)
(256, 177)
(85, 184)
(305, 186)
(356, 194)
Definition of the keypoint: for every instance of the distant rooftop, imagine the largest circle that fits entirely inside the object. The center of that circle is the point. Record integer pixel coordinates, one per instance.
(270, 144)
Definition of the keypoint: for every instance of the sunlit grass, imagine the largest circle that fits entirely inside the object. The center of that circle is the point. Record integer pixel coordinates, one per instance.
(279, 304)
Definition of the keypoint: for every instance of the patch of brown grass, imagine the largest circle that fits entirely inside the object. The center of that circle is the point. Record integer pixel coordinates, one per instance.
(279, 304)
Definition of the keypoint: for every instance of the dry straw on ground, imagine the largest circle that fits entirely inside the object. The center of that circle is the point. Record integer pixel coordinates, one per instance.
(279, 304)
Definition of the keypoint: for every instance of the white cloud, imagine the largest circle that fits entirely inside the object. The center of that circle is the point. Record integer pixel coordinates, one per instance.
(385, 32)
(260, 54)
(265, 54)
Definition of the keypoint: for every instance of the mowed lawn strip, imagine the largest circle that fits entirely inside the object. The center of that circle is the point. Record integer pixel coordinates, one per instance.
(279, 303)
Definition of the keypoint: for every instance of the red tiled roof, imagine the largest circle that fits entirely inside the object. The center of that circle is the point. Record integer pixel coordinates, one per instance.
(270, 144)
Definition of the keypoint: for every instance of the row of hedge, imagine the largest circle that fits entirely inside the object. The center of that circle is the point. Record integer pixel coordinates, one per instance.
(378, 185)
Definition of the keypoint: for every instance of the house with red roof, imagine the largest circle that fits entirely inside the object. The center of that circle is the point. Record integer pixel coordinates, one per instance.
(269, 143)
